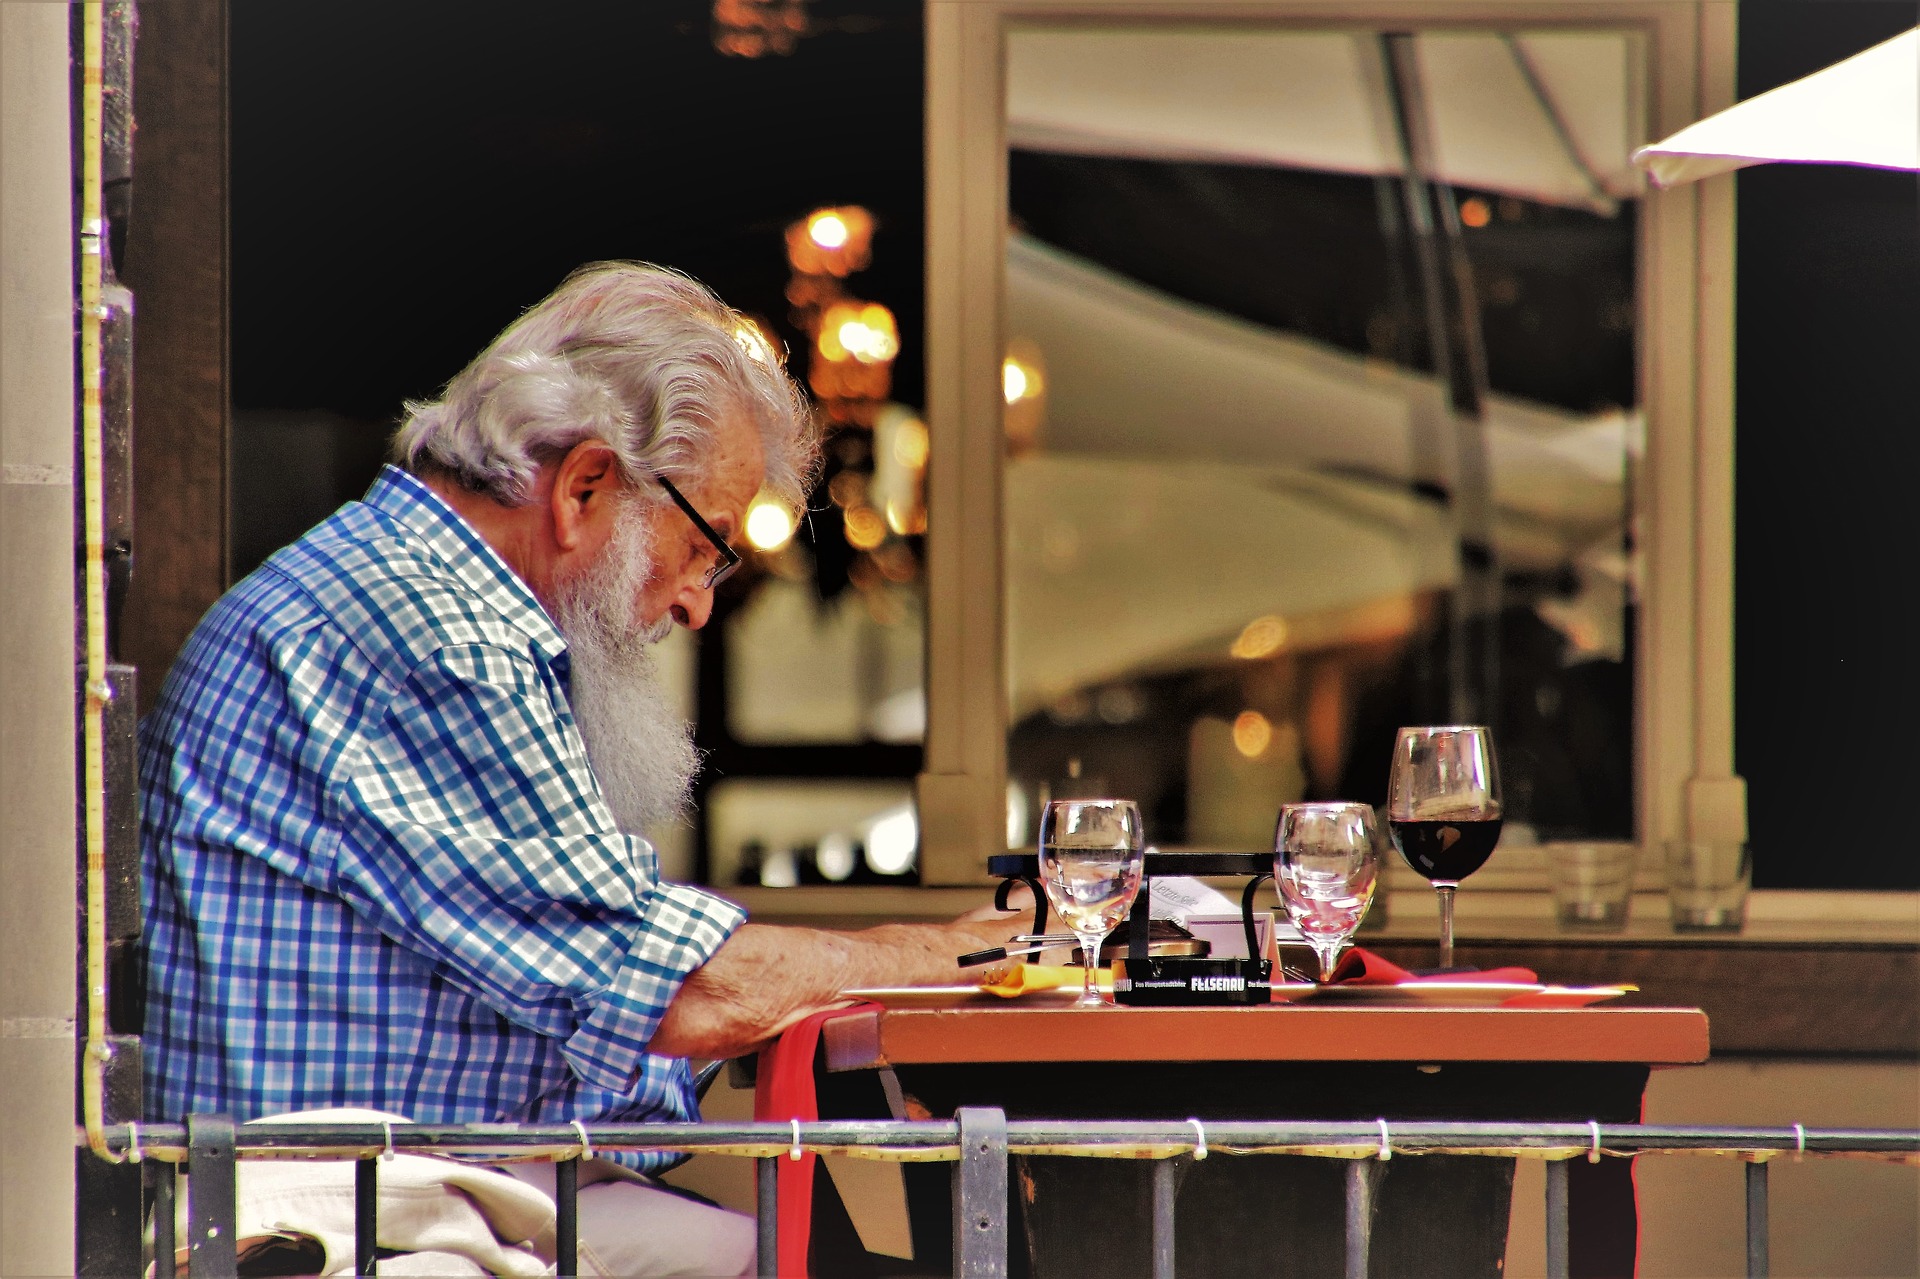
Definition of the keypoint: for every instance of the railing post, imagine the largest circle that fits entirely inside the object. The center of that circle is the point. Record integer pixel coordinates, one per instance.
(1166, 1186)
(210, 1198)
(566, 1226)
(1558, 1247)
(165, 1183)
(766, 1214)
(1757, 1260)
(980, 1195)
(366, 1215)
(1363, 1175)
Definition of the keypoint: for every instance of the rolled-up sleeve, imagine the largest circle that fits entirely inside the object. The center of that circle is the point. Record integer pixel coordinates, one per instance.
(474, 834)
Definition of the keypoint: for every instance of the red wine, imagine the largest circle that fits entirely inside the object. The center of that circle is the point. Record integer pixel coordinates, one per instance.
(1447, 851)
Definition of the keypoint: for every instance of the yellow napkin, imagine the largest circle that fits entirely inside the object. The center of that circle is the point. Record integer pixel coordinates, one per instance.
(1021, 978)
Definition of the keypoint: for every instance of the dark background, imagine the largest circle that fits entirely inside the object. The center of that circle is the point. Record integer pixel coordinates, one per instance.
(407, 176)
(1827, 399)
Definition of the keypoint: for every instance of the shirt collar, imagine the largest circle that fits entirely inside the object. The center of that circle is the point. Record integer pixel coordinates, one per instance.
(403, 497)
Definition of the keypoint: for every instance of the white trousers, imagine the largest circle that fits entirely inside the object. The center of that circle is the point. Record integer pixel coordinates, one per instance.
(631, 1228)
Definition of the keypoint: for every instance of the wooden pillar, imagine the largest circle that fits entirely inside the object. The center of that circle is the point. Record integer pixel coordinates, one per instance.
(176, 263)
(38, 938)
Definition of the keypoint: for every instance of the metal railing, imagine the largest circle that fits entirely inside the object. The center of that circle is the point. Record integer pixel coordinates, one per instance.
(979, 1143)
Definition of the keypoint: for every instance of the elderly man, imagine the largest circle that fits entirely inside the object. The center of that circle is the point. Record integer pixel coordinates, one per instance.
(393, 789)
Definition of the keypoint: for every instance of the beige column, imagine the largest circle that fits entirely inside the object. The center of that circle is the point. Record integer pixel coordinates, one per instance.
(37, 893)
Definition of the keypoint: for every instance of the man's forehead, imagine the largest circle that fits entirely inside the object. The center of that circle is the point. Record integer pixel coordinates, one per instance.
(738, 460)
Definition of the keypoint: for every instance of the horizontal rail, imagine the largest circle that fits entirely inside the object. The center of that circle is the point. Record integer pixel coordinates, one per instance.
(978, 1142)
(937, 1141)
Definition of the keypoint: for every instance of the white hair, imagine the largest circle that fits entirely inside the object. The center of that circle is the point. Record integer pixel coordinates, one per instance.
(641, 358)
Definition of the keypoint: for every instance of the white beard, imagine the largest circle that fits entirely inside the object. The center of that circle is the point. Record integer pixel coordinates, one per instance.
(641, 752)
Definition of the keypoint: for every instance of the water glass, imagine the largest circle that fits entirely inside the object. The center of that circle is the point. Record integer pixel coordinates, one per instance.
(1707, 883)
(1092, 855)
(1325, 865)
(1592, 884)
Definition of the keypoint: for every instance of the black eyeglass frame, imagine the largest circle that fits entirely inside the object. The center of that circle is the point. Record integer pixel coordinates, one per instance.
(729, 558)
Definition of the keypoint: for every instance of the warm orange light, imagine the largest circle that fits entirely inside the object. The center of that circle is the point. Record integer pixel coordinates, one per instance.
(1252, 734)
(865, 528)
(769, 525)
(848, 489)
(1474, 211)
(1262, 637)
(858, 331)
(1023, 387)
(910, 444)
(827, 229)
(905, 518)
(1019, 380)
(836, 241)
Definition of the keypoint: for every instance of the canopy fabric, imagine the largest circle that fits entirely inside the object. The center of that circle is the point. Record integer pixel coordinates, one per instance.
(1199, 471)
(1134, 373)
(1863, 111)
(1547, 116)
(1117, 568)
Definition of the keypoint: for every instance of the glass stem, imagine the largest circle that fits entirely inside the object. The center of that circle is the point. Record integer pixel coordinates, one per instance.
(1446, 923)
(1090, 958)
(1327, 952)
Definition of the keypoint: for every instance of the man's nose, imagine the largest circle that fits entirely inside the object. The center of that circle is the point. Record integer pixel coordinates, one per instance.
(693, 606)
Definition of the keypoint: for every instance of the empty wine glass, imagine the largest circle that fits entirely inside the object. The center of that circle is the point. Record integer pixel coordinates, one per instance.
(1092, 853)
(1325, 865)
(1443, 807)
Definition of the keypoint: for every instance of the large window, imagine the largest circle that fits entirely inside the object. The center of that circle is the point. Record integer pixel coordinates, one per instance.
(1298, 376)
(1256, 514)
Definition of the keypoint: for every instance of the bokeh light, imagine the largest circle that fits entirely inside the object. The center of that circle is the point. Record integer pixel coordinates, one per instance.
(1262, 637)
(1252, 734)
(833, 857)
(827, 229)
(769, 525)
(910, 444)
(1019, 380)
(865, 528)
(893, 840)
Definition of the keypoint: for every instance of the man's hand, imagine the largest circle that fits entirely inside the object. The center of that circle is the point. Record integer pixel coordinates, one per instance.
(1000, 926)
(765, 978)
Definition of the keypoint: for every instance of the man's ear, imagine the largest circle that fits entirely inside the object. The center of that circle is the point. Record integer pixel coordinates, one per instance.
(584, 485)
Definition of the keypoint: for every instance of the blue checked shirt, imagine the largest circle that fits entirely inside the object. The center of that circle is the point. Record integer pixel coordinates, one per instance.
(379, 871)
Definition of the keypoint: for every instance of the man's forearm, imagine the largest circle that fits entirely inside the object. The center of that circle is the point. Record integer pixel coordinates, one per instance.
(765, 978)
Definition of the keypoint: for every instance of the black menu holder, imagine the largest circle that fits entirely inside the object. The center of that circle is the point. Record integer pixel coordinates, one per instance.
(1141, 979)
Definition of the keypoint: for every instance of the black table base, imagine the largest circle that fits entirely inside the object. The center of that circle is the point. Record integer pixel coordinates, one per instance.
(1272, 1216)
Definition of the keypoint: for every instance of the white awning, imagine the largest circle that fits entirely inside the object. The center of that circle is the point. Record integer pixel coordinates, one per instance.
(1865, 111)
(1547, 116)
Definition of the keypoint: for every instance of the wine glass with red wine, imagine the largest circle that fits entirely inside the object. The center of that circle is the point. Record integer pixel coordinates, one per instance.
(1443, 807)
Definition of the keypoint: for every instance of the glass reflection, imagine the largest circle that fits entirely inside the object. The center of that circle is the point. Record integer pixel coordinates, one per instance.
(1242, 547)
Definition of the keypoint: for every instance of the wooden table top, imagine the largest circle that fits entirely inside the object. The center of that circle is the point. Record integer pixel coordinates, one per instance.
(902, 1036)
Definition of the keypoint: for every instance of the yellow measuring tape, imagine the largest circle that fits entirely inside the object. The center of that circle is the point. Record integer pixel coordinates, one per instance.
(98, 691)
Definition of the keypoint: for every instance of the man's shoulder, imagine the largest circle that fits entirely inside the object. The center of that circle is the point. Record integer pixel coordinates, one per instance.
(393, 592)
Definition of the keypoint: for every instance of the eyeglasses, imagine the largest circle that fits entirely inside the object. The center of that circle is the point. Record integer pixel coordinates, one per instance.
(729, 558)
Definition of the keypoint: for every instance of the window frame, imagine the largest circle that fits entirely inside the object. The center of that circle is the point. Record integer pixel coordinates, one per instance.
(1683, 750)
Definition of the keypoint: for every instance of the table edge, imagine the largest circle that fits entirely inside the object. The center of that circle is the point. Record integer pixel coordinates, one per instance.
(1680, 1036)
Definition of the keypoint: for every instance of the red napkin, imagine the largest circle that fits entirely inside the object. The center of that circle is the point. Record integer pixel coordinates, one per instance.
(784, 1091)
(1359, 967)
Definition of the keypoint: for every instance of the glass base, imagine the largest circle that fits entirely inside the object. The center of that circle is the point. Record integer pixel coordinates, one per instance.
(1600, 916)
(1727, 920)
